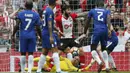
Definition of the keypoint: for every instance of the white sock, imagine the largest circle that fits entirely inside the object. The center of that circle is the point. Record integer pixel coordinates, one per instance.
(111, 60)
(96, 57)
(92, 62)
(23, 62)
(105, 58)
(101, 54)
(69, 56)
(41, 62)
(30, 63)
(56, 61)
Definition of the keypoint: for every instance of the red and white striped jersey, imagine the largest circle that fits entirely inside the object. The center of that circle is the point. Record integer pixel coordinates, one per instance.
(66, 25)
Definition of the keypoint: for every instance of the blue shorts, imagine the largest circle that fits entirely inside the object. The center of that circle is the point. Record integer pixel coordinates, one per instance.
(46, 41)
(100, 36)
(28, 45)
(57, 39)
(111, 44)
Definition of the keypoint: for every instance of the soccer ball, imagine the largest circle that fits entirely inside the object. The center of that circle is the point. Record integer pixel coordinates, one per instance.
(75, 51)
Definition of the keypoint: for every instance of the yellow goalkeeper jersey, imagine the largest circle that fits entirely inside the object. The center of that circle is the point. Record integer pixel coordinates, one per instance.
(65, 64)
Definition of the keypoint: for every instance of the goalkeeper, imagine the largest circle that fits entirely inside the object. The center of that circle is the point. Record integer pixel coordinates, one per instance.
(65, 65)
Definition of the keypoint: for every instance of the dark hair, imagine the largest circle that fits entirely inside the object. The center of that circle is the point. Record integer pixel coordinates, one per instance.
(51, 2)
(29, 4)
(100, 3)
(64, 7)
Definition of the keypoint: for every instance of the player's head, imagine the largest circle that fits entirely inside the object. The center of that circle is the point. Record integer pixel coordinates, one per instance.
(75, 61)
(100, 3)
(66, 10)
(52, 3)
(29, 4)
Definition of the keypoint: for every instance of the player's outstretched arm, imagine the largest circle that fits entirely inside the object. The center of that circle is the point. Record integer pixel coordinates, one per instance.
(82, 14)
(87, 25)
(15, 29)
(12, 16)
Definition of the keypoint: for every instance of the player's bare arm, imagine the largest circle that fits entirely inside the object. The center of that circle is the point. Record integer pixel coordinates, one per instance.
(109, 22)
(39, 31)
(82, 14)
(50, 31)
(15, 29)
(12, 16)
(86, 31)
(58, 30)
(87, 25)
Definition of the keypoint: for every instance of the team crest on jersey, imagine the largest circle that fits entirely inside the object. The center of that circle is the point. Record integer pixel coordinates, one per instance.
(66, 26)
(50, 16)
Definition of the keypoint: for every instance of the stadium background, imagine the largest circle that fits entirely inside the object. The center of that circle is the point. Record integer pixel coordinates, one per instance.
(120, 13)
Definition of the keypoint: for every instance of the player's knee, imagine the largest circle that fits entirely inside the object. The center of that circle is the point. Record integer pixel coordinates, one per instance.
(30, 53)
(55, 49)
(103, 48)
(67, 50)
(23, 53)
(45, 51)
(93, 47)
(55, 55)
(108, 51)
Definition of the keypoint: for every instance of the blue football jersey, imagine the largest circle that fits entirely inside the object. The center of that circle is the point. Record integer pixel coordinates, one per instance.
(29, 19)
(48, 15)
(113, 36)
(99, 16)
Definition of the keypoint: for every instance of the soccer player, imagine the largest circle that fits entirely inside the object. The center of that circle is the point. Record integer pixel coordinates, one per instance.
(65, 23)
(101, 17)
(111, 44)
(65, 64)
(48, 38)
(26, 22)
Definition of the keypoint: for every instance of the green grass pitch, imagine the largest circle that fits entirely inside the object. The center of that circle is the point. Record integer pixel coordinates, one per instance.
(71, 72)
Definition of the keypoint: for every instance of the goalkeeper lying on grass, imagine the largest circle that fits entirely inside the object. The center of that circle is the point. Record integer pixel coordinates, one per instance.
(65, 65)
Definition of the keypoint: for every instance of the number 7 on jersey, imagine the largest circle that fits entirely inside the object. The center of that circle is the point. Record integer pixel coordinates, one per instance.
(28, 24)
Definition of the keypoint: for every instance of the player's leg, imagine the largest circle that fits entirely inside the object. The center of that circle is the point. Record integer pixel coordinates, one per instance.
(111, 60)
(96, 57)
(94, 42)
(23, 49)
(30, 61)
(23, 61)
(103, 39)
(31, 49)
(56, 59)
(71, 44)
(74, 44)
(45, 50)
(90, 64)
(65, 47)
(42, 59)
(55, 56)
(105, 58)
(110, 48)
